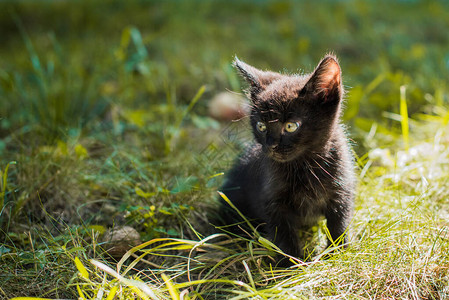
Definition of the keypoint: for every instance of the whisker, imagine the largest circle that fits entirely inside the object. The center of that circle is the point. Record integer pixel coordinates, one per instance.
(310, 168)
(330, 175)
(238, 120)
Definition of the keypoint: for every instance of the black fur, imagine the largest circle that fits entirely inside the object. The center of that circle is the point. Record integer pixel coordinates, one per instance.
(287, 181)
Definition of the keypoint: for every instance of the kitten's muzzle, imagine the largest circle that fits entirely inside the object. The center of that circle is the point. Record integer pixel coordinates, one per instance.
(279, 157)
(279, 154)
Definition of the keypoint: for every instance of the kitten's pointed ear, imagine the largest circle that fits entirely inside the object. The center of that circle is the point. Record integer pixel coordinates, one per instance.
(248, 72)
(257, 79)
(325, 82)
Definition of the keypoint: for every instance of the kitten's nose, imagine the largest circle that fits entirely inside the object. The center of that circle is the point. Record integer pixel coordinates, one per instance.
(271, 143)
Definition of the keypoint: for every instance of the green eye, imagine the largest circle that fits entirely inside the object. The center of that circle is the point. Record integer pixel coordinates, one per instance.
(291, 126)
(261, 126)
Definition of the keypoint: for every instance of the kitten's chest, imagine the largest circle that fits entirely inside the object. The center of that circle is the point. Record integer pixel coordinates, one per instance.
(300, 190)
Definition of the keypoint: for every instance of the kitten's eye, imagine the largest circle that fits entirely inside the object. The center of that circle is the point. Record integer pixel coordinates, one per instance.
(291, 126)
(261, 126)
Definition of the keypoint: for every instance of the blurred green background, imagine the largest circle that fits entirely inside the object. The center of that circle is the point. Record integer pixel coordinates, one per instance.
(77, 57)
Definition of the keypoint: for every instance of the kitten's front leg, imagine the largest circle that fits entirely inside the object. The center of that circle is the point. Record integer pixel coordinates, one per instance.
(338, 216)
(283, 232)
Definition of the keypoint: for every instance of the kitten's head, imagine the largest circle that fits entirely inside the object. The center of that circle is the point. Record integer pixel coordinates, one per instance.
(294, 115)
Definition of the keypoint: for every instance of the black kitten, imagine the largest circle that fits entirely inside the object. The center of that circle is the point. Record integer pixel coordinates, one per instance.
(300, 167)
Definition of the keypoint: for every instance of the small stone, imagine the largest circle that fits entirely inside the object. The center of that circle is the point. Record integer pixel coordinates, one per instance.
(117, 241)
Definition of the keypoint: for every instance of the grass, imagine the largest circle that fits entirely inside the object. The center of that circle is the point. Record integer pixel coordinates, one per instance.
(103, 123)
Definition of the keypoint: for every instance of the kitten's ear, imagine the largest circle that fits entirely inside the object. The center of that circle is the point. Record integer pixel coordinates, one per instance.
(257, 79)
(325, 82)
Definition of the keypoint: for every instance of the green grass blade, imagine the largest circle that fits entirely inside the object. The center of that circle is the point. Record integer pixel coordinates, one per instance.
(404, 118)
(4, 178)
(81, 268)
(29, 298)
(171, 289)
(225, 198)
(112, 293)
(191, 104)
(140, 288)
(250, 276)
